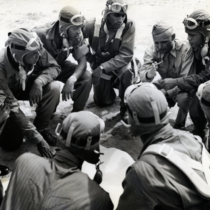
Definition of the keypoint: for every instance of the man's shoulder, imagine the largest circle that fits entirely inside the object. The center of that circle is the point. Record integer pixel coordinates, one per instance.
(130, 26)
(182, 45)
(42, 30)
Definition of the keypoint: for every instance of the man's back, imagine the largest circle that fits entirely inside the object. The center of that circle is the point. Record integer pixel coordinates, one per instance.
(45, 185)
(157, 182)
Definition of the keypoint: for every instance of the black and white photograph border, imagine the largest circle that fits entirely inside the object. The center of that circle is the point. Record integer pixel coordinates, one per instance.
(145, 13)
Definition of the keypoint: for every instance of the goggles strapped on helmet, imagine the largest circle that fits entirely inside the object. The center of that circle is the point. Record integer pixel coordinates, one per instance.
(76, 20)
(34, 44)
(191, 23)
(117, 7)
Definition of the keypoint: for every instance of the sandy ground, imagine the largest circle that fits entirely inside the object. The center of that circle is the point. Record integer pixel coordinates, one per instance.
(30, 13)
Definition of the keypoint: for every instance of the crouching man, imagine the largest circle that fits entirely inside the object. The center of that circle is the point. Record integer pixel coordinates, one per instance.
(172, 171)
(111, 51)
(171, 58)
(60, 39)
(38, 183)
(27, 72)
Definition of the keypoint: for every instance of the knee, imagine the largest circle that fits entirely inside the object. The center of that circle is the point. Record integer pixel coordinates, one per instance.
(126, 76)
(87, 76)
(54, 88)
(183, 101)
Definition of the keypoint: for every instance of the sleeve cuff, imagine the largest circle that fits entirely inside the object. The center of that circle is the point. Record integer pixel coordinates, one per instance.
(180, 83)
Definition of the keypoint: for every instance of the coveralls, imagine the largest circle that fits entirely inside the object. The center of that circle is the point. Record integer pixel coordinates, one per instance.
(46, 69)
(48, 35)
(114, 56)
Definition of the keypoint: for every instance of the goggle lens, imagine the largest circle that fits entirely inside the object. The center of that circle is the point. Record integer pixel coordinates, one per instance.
(118, 7)
(77, 20)
(190, 23)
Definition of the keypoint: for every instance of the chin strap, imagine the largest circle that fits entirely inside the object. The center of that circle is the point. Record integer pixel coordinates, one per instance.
(204, 51)
(66, 44)
(22, 75)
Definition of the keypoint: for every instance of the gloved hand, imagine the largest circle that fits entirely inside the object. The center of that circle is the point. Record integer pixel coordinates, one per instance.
(44, 149)
(68, 88)
(4, 112)
(96, 75)
(35, 94)
(12, 103)
(173, 92)
(168, 83)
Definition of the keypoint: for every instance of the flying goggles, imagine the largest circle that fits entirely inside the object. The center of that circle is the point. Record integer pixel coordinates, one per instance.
(117, 7)
(76, 20)
(34, 44)
(191, 23)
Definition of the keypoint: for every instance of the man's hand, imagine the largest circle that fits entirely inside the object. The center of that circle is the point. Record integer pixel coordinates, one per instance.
(68, 88)
(4, 112)
(173, 92)
(168, 83)
(35, 94)
(163, 91)
(96, 75)
(152, 71)
(12, 103)
(44, 149)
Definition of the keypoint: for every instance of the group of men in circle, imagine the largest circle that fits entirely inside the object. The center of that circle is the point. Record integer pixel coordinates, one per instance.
(173, 169)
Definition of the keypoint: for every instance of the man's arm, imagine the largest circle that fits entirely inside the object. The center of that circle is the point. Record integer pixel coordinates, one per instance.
(147, 66)
(126, 51)
(187, 83)
(188, 64)
(48, 67)
(133, 196)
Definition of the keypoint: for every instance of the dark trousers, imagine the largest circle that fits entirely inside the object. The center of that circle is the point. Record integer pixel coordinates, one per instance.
(1, 192)
(197, 115)
(82, 86)
(183, 102)
(47, 106)
(11, 137)
(104, 93)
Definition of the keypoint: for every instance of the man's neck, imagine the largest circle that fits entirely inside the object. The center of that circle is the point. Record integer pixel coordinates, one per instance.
(66, 159)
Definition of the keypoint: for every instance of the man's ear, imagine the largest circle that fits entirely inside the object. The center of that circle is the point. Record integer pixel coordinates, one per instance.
(173, 36)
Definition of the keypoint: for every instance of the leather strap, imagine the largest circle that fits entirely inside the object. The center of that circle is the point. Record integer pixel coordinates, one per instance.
(186, 165)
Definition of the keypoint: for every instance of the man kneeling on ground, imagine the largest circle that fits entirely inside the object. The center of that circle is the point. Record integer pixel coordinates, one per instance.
(27, 72)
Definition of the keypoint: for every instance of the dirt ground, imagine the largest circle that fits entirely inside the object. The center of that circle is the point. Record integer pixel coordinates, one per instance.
(145, 13)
